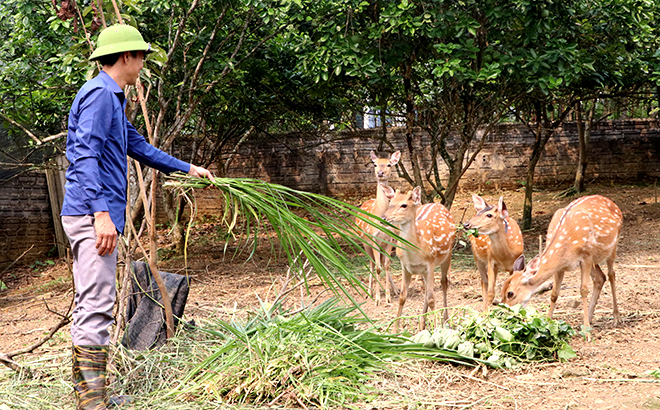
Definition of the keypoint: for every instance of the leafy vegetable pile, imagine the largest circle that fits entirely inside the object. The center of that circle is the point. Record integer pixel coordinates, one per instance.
(503, 337)
(327, 355)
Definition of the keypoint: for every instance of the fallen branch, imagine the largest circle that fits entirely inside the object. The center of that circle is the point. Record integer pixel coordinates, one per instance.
(7, 358)
(15, 260)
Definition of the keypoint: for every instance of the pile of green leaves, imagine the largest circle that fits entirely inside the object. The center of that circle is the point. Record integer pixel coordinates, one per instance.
(327, 355)
(503, 337)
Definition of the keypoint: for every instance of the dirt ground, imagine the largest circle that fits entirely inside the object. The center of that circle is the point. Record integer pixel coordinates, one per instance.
(608, 373)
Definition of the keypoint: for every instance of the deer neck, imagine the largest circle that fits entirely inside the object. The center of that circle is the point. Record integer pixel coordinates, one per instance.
(381, 200)
(500, 242)
(408, 231)
(549, 265)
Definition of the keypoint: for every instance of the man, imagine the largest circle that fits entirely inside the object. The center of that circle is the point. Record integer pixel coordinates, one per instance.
(93, 214)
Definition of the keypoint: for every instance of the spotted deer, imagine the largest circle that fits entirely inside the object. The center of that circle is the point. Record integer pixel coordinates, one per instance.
(431, 230)
(583, 234)
(499, 244)
(378, 245)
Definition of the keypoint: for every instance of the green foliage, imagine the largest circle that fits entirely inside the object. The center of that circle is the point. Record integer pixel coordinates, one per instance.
(503, 337)
(319, 356)
(326, 355)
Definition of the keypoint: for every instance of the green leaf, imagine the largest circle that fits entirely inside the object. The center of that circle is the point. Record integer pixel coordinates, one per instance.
(566, 352)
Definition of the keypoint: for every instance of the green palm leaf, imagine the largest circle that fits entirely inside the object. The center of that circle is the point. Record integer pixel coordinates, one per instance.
(320, 229)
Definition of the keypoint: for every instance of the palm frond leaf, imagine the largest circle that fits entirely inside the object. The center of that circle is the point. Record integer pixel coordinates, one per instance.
(319, 228)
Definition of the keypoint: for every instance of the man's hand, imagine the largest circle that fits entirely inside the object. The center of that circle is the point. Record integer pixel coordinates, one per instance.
(106, 233)
(200, 172)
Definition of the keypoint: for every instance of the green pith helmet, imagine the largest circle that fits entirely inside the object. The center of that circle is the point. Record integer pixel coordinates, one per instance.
(117, 39)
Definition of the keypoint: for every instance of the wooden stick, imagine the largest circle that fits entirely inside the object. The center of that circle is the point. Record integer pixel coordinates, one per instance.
(114, 4)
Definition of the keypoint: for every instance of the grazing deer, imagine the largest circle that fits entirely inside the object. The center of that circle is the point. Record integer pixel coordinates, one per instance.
(431, 230)
(584, 234)
(498, 245)
(379, 248)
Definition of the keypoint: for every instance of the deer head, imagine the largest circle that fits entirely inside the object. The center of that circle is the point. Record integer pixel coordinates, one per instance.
(383, 166)
(402, 205)
(489, 218)
(515, 289)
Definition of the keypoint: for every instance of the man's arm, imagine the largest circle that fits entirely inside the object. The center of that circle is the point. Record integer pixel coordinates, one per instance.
(84, 148)
(151, 156)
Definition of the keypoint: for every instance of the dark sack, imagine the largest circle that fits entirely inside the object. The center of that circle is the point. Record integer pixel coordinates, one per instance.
(146, 328)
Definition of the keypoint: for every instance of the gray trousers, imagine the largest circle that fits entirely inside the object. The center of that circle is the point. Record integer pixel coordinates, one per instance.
(94, 279)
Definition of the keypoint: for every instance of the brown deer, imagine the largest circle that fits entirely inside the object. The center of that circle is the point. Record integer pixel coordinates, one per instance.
(431, 230)
(499, 244)
(583, 234)
(378, 245)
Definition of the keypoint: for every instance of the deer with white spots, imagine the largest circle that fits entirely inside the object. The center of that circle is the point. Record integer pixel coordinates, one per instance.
(430, 228)
(378, 245)
(583, 234)
(499, 244)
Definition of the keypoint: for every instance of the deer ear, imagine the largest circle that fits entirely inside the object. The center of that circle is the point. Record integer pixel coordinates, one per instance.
(532, 268)
(502, 206)
(387, 190)
(373, 156)
(416, 195)
(519, 264)
(479, 202)
(394, 159)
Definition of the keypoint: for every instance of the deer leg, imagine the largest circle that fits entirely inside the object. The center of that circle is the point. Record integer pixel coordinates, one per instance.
(369, 251)
(558, 279)
(429, 299)
(492, 275)
(385, 264)
(585, 266)
(483, 272)
(610, 276)
(444, 282)
(376, 275)
(374, 281)
(598, 279)
(405, 283)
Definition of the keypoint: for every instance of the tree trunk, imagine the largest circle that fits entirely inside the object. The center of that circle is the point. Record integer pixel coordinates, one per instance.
(413, 146)
(174, 208)
(578, 186)
(539, 144)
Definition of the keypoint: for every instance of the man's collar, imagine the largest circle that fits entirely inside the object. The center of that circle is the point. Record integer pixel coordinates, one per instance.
(114, 87)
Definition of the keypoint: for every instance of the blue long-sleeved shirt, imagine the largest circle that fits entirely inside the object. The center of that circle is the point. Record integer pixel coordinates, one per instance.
(99, 139)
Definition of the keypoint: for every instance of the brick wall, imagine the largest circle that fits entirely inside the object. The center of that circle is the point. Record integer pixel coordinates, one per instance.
(25, 218)
(620, 151)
